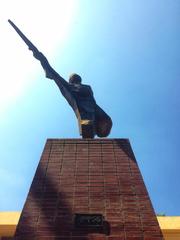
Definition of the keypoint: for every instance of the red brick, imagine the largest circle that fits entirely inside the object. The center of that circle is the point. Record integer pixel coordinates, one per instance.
(88, 176)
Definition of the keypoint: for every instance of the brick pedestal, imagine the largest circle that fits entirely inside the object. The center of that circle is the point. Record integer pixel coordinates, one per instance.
(98, 176)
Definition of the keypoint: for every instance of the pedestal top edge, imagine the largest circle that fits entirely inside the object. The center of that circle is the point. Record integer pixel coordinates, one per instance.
(79, 140)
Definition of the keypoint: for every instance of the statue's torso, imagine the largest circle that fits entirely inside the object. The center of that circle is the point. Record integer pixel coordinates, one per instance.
(84, 97)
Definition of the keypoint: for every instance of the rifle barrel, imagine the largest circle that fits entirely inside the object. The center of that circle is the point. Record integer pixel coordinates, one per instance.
(24, 38)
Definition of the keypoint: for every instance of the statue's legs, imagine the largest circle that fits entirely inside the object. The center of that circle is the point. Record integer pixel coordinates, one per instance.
(86, 124)
(86, 128)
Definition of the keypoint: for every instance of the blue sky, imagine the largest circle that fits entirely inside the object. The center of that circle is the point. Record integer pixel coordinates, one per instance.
(128, 51)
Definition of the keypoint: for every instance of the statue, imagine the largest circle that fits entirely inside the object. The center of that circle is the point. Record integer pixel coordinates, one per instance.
(91, 118)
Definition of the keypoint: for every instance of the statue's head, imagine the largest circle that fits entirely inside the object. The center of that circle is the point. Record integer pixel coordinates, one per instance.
(74, 79)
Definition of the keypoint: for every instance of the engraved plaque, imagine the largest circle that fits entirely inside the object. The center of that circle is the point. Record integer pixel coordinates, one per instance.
(88, 220)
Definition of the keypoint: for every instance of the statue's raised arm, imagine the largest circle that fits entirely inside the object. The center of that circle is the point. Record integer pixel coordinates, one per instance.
(92, 119)
(50, 72)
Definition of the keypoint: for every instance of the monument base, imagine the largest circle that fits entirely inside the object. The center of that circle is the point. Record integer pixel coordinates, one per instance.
(88, 189)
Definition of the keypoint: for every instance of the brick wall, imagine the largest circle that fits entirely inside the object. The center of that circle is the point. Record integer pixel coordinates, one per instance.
(88, 176)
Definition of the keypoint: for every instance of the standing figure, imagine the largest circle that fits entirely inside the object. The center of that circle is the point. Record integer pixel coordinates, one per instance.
(92, 119)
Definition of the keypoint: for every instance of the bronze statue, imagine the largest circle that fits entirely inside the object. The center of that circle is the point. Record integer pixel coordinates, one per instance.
(91, 118)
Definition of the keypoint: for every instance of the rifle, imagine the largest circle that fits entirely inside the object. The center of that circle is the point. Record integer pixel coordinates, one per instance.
(50, 72)
(24, 38)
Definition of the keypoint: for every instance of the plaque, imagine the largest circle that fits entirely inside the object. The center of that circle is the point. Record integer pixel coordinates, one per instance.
(88, 220)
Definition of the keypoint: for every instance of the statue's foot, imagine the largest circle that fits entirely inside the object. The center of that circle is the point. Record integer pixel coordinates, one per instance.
(87, 129)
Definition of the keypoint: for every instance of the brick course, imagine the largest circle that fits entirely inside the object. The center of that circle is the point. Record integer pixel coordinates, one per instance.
(88, 176)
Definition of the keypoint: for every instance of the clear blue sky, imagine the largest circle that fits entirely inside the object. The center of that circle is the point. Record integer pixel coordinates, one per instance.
(128, 51)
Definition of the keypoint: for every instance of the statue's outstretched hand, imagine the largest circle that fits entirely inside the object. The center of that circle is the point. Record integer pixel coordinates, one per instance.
(49, 71)
(45, 64)
(38, 55)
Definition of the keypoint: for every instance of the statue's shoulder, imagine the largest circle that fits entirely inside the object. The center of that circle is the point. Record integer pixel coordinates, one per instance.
(81, 89)
(86, 86)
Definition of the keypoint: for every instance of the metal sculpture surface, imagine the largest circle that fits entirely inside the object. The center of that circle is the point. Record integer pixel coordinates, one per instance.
(91, 118)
